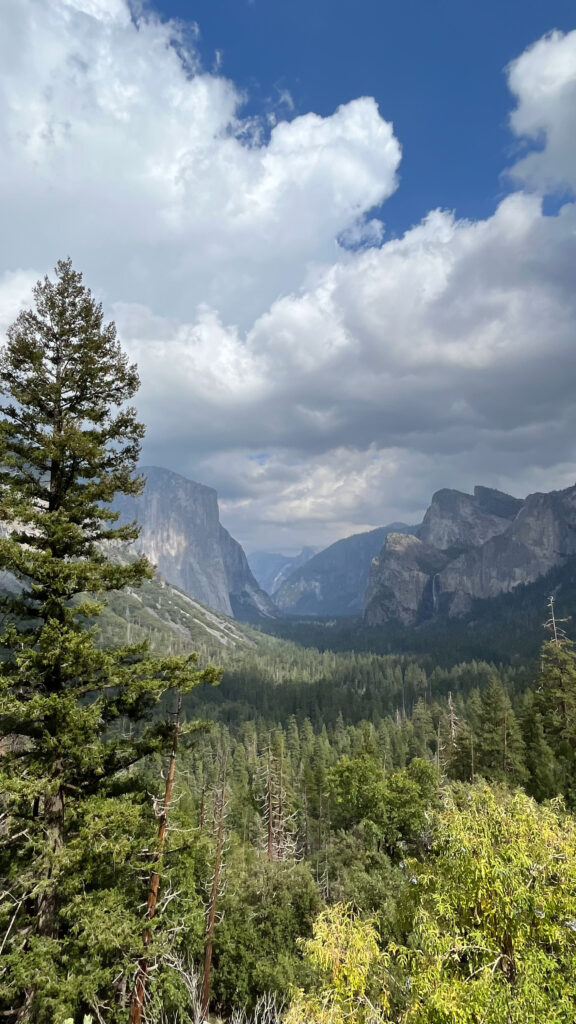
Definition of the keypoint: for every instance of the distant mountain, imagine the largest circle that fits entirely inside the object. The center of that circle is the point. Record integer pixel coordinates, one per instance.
(182, 535)
(270, 570)
(333, 582)
(471, 547)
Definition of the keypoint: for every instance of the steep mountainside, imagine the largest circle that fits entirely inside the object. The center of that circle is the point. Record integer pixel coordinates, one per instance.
(470, 547)
(159, 613)
(271, 569)
(333, 582)
(182, 535)
(170, 620)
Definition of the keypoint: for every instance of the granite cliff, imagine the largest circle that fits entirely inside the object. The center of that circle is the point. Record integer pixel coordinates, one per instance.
(182, 535)
(469, 547)
(333, 582)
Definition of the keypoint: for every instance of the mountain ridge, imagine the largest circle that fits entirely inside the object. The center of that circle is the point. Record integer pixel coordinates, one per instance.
(470, 548)
(271, 569)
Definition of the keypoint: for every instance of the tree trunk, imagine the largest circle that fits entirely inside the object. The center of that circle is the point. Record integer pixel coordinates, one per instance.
(212, 906)
(48, 902)
(143, 969)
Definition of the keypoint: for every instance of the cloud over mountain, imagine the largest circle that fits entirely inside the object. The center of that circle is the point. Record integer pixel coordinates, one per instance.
(322, 387)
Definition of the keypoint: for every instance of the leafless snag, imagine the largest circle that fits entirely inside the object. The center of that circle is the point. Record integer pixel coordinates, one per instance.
(553, 624)
(280, 824)
(268, 1010)
(219, 819)
(143, 968)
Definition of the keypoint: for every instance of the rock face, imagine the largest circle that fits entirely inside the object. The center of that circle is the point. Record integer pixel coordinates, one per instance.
(457, 521)
(470, 547)
(182, 535)
(271, 570)
(401, 581)
(333, 582)
(247, 600)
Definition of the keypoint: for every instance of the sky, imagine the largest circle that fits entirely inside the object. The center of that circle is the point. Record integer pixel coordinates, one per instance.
(338, 238)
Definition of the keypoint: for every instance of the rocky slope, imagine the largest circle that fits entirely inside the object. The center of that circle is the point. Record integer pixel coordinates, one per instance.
(271, 570)
(470, 547)
(182, 535)
(169, 620)
(333, 582)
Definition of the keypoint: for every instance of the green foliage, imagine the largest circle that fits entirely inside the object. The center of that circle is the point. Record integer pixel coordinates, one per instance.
(494, 926)
(75, 718)
(344, 950)
(394, 807)
(490, 926)
(266, 909)
(499, 743)
(557, 705)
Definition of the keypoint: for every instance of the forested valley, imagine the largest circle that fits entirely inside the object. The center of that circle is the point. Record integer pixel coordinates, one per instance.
(255, 834)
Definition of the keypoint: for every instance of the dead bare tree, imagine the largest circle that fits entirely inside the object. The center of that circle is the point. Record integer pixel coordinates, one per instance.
(553, 624)
(192, 984)
(279, 821)
(268, 1010)
(143, 968)
(219, 821)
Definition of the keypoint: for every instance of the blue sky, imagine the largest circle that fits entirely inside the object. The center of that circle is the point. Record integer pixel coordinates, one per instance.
(338, 239)
(435, 67)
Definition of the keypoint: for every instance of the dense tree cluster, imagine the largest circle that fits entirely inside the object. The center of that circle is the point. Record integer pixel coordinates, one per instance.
(324, 838)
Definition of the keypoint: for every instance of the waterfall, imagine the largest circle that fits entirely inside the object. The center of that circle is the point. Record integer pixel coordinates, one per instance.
(435, 592)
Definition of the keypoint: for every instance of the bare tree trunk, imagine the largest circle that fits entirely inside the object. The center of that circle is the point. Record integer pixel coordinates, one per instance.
(213, 903)
(139, 990)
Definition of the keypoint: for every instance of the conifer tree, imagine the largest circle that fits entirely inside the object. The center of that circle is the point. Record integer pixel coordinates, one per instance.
(500, 749)
(540, 760)
(69, 918)
(556, 701)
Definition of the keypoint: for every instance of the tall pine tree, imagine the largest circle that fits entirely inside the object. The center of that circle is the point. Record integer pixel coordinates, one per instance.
(556, 702)
(74, 812)
(500, 747)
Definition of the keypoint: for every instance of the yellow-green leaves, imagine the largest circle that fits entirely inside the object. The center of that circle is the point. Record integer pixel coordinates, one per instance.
(492, 936)
(351, 969)
(491, 924)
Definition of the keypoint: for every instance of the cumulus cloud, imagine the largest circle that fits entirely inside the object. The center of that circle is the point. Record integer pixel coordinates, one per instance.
(543, 80)
(117, 147)
(323, 378)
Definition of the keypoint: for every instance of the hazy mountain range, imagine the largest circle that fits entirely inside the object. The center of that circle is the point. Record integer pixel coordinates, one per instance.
(469, 548)
(271, 569)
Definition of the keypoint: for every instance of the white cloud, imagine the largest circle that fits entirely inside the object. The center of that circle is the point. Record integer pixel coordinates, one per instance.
(15, 291)
(543, 79)
(117, 150)
(321, 389)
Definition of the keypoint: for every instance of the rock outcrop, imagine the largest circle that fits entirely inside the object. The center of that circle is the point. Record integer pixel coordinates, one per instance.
(470, 547)
(333, 582)
(401, 582)
(247, 600)
(182, 535)
(456, 521)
